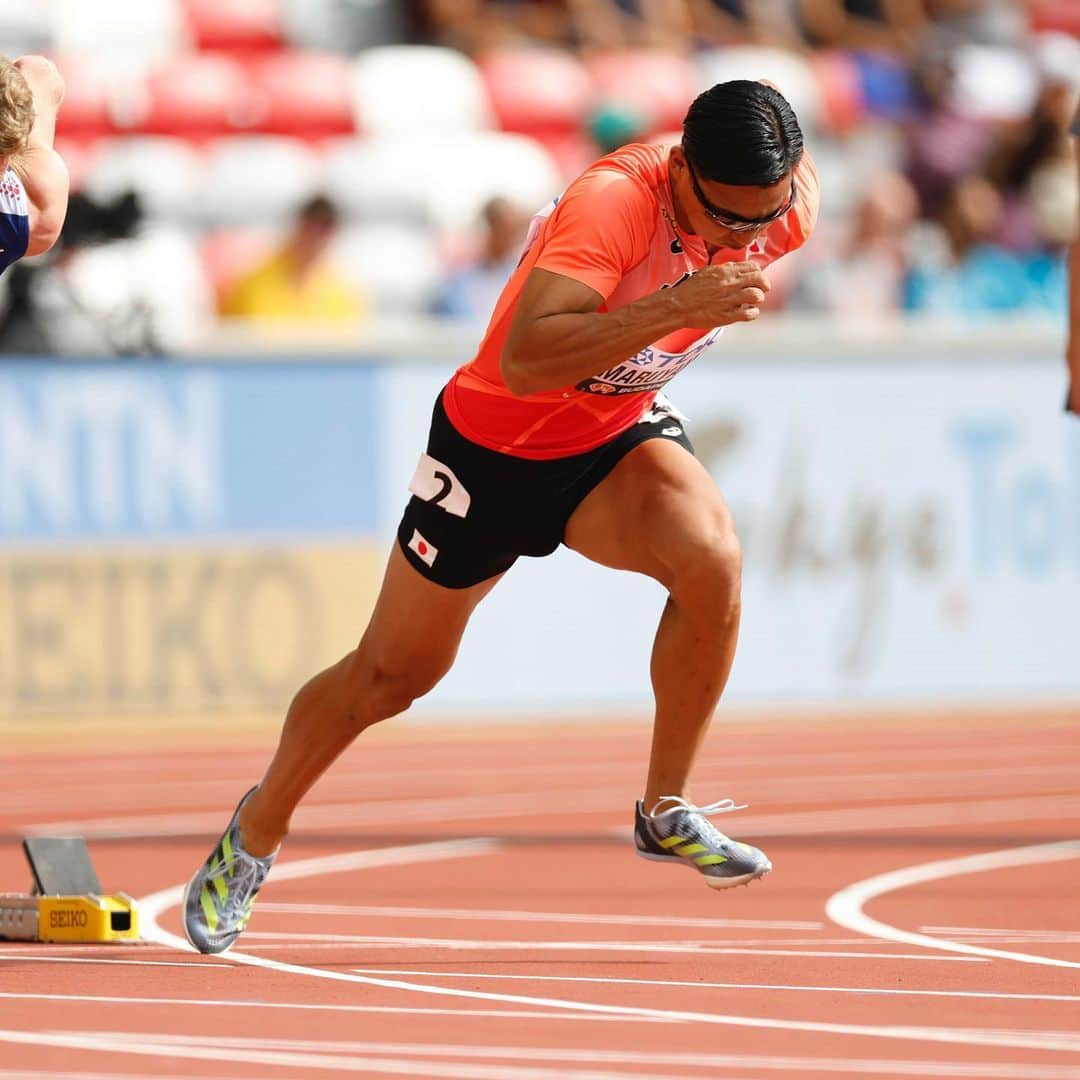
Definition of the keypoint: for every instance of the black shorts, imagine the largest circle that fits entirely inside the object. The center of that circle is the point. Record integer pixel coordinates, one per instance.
(474, 510)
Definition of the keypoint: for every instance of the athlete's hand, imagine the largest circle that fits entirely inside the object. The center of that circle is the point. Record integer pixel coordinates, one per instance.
(720, 295)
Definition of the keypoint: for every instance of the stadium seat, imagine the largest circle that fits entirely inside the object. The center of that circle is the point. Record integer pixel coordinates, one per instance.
(886, 86)
(840, 90)
(256, 179)
(396, 266)
(133, 35)
(198, 95)
(1063, 15)
(537, 91)
(413, 89)
(87, 110)
(306, 94)
(347, 26)
(487, 164)
(235, 25)
(790, 73)
(163, 172)
(24, 28)
(441, 181)
(381, 179)
(656, 84)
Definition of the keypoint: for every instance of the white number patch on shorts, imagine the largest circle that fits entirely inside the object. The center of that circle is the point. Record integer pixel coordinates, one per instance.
(436, 483)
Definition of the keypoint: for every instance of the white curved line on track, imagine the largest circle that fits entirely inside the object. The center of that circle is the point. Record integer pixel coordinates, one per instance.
(845, 908)
(152, 906)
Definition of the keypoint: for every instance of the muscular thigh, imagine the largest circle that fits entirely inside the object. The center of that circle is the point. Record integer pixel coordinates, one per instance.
(658, 508)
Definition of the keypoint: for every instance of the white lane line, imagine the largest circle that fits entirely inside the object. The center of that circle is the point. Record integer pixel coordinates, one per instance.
(300, 1006)
(476, 915)
(1052, 937)
(210, 1049)
(886, 991)
(155, 904)
(846, 906)
(434, 1055)
(266, 939)
(38, 959)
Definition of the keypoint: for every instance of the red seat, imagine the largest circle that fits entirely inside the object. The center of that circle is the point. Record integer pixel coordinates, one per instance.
(658, 85)
(235, 25)
(1062, 15)
(537, 90)
(306, 94)
(198, 95)
(86, 110)
(840, 86)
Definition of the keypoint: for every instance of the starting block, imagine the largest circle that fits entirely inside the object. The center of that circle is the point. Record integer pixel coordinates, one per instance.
(66, 902)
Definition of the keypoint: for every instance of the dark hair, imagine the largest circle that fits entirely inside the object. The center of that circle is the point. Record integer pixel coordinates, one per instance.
(319, 210)
(742, 132)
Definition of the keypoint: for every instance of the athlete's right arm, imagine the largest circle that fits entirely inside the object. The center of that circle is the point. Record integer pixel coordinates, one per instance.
(558, 337)
(39, 166)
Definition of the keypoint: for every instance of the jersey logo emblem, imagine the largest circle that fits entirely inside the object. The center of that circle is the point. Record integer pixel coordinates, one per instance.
(671, 431)
(427, 551)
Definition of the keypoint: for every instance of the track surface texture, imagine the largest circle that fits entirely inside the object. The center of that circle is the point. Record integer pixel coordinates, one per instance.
(465, 902)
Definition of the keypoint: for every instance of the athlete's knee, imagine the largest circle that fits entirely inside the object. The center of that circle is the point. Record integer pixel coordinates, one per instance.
(707, 577)
(381, 687)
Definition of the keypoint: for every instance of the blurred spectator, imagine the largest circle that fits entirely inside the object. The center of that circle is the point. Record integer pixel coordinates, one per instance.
(470, 292)
(745, 22)
(970, 274)
(475, 26)
(891, 26)
(297, 282)
(863, 276)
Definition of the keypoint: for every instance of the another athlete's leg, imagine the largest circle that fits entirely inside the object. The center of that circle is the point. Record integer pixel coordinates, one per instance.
(659, 513)
(410, 643)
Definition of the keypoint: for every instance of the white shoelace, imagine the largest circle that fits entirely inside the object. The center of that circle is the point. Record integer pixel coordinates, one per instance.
(721, 806)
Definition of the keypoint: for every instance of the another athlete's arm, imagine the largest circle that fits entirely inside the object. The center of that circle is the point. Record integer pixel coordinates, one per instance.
(558, 337)
(39, 166)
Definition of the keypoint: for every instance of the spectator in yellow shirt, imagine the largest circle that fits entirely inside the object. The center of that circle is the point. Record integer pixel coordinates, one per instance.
(298, 282)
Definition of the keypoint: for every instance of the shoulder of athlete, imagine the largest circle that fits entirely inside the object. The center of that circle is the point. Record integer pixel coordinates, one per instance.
(44, 177)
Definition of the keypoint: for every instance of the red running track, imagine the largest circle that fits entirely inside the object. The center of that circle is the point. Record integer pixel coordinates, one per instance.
(465, 903)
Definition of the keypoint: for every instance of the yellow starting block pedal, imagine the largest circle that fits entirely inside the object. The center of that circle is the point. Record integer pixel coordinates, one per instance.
(67, 903)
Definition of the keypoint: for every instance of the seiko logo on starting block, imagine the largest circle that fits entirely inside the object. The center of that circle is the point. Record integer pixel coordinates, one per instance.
(67, 919)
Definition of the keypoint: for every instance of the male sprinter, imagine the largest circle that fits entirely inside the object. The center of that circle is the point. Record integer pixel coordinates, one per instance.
(554, 433)
(34, 181)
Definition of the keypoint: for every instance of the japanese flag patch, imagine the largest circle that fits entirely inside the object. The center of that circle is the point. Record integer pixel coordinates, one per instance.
(424, 548)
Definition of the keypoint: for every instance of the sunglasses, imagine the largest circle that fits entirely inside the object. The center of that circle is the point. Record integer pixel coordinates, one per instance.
(732, 221)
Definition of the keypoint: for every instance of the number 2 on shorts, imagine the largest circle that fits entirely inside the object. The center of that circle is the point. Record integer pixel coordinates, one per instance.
(436, 483)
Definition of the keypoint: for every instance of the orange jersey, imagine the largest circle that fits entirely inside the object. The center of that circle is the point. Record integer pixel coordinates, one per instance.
(612, 230)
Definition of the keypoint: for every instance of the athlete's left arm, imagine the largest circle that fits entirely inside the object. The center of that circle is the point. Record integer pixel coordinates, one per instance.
(40, 168)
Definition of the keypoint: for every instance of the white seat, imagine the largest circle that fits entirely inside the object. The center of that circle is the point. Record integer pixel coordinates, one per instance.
(132, 35)
(791, 74)
(397, 266)
(441, 180)
(163, 172)
(412, 89)
(256, 179)
(475, 168)
(24, 28)
(344, 25)
(379, 179)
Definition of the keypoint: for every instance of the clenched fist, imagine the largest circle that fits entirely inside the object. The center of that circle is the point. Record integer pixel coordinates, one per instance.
(720, 295)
